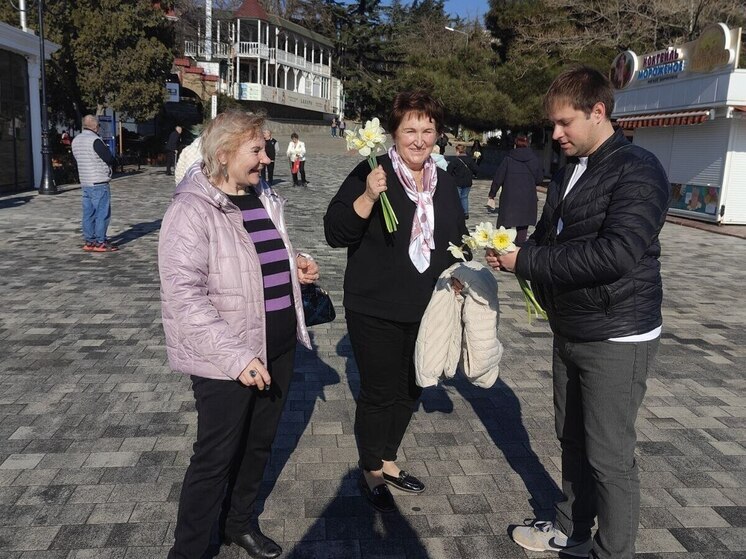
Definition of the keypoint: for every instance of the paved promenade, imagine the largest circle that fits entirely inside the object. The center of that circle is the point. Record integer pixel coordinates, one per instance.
(96, 431)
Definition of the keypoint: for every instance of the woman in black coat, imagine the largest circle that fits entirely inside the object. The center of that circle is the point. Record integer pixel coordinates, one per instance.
(518, 174)
(389, 280)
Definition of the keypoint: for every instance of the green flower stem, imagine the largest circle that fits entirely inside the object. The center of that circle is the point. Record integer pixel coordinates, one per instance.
(388, 212)
(532, 305)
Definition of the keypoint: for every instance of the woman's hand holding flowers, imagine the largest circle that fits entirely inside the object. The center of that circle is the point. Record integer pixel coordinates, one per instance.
(375, 184)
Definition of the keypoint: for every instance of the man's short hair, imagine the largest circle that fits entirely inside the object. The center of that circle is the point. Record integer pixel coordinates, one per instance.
(90, 122)
(582, 88)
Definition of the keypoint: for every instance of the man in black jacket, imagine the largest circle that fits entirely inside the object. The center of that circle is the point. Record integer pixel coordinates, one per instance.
(172, 148)
(593, 264)
(270, 146)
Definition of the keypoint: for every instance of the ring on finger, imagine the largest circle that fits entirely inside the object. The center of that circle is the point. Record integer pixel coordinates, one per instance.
(252, 373)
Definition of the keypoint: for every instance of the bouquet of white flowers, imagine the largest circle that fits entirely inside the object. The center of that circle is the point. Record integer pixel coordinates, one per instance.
(501, 241)
(476, 154)
(368, 141)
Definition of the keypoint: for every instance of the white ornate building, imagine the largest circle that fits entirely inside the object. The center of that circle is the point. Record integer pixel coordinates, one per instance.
(276, 64)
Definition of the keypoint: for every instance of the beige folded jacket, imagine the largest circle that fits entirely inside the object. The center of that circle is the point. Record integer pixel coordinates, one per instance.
(460, 331)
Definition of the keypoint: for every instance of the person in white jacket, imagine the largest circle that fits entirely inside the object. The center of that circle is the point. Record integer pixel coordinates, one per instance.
(297, 152)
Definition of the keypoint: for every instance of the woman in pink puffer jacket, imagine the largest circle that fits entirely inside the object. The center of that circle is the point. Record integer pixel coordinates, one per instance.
(232, 313)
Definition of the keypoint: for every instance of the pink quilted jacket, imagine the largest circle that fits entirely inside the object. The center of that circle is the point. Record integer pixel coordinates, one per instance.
(212, 295)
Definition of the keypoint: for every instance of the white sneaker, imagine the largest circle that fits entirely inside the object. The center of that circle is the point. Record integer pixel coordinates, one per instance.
(543, 536)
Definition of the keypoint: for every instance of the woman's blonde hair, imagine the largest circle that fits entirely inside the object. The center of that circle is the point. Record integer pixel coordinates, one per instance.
(224, 135)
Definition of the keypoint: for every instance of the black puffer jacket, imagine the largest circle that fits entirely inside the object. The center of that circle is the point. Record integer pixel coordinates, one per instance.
(600, 277)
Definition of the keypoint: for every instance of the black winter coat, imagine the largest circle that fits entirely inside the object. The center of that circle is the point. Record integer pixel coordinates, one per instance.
(463, 170)
(174, 141)
(519, 173)
(380, 279)
(600, 277)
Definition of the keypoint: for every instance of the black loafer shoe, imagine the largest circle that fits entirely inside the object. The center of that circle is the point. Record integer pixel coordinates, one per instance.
(380, 496)
(256, 544)
(405, 482)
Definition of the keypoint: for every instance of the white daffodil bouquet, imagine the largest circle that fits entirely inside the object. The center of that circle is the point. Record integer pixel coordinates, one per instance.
(368, 141)
(502, 241)
(476, 154)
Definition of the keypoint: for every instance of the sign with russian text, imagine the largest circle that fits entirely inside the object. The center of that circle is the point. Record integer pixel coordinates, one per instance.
(717, 48)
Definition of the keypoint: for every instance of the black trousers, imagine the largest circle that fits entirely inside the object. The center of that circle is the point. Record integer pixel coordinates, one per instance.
(268, 173)
(236, 425)
(384, 352)
(170, 160)
(302, 172)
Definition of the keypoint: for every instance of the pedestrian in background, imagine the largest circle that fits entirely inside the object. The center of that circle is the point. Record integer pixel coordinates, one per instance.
(342, 127)
(518, 173)
(389, 280)
(442, 142)
(172, 147)
(593, 263)
(232, 313)
(270, 146)
(94, 161)
(476, 151)
(440, 161)
(296, 154)
(463, 170)
(334, 127)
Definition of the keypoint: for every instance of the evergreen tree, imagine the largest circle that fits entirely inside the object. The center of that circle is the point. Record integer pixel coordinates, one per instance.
(114, 53)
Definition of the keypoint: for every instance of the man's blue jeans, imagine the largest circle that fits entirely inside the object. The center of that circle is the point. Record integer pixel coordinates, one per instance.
(598, 389)
(463, 193)
(96, 212)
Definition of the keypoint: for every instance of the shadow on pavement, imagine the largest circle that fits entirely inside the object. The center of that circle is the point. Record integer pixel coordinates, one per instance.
(499, 410)
(348, 527)
(135, 232)
(14, 202)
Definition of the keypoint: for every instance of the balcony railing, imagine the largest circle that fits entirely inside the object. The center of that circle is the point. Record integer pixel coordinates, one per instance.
(197, 49)
(253, 49)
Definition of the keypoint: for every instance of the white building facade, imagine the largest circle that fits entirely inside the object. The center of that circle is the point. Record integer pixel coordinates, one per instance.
(272, 62)
(687, 105)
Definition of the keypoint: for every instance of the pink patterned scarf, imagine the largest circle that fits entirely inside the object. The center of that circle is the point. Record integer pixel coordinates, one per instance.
(421, 242)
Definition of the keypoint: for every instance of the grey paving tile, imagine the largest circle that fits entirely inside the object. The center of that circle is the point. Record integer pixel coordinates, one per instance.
(698, 539)
(81, 536)
(735, 516)
(139, 535)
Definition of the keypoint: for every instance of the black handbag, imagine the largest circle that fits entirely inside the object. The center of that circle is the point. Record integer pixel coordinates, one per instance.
(317, 305)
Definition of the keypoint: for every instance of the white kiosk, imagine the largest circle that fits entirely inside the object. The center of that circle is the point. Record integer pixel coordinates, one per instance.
(687, 105)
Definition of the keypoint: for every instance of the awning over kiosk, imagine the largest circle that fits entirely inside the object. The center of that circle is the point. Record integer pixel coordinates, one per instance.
(678, 118)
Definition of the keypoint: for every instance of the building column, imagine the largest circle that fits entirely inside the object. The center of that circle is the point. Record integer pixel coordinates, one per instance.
(34, 98)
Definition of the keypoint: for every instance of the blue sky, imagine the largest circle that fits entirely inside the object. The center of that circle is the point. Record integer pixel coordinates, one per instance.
(469, 9)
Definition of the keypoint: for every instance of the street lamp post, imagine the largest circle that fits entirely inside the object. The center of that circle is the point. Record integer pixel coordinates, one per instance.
(464, 33)
(47, 185)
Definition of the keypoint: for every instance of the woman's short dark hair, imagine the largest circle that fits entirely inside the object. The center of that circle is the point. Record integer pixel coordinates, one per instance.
(582, 88)
(418, 102)
(294, 136)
